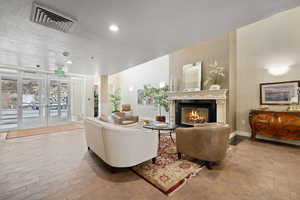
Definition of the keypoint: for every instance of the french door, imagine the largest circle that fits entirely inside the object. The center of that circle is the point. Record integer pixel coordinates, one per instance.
(8, 102)
(30, 100)
(32, 110)
(59, 107)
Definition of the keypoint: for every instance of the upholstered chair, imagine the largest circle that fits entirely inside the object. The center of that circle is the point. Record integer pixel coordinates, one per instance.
(123, 118)
(207, 143)
(126, 107)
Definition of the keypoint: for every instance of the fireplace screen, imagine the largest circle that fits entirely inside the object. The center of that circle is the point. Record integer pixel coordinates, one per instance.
(192, 115)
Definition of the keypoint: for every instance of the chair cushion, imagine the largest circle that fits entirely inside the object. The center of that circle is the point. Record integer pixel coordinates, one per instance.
(126, 107)
(106, 118)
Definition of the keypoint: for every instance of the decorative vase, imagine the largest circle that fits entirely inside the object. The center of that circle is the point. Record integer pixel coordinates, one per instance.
(160, 118)
(215, 87)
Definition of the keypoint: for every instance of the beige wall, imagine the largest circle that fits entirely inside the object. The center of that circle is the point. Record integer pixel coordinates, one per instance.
(274, 41)
(221, 49)
(131, 80)
(207, 52)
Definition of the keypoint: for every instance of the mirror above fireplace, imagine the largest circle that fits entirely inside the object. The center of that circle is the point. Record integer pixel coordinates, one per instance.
(192, 77)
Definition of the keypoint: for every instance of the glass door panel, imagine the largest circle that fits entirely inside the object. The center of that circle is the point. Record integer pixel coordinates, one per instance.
(53, 100)
(32, 114)
(65, 100)
(9, 103)
(33, 99)
(58, 102)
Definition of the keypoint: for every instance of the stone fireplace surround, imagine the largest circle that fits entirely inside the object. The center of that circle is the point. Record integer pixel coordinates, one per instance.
(220, 96)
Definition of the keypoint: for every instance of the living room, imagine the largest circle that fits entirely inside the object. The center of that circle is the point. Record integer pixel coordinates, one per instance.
(213, 117)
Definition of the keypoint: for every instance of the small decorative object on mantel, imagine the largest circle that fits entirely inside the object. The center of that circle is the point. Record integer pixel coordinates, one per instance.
(216, 75)
(192, 77)
(280, 93)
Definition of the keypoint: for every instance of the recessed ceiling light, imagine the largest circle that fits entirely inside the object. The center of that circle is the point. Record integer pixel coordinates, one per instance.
(69, 62)
(114, 28)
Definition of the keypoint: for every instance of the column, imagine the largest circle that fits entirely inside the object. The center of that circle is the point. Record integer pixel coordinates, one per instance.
(104, 108)
(221, 111)
(172, 112)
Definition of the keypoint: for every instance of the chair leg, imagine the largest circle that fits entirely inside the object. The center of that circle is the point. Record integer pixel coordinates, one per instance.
(179, 155)
(209, 165)
(153, 160)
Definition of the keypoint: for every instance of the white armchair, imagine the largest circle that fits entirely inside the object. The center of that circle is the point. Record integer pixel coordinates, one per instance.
(120, 146)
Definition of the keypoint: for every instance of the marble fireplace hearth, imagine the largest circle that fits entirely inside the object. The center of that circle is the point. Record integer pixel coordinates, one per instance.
(220, 96)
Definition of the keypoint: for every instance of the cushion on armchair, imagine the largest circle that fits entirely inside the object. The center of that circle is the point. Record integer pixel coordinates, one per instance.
(124, 119)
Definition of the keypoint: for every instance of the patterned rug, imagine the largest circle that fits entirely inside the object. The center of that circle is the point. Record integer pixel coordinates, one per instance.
(168, 173)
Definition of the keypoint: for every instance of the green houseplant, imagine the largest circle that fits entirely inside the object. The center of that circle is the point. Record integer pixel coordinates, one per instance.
(159, 97)
(115, 99)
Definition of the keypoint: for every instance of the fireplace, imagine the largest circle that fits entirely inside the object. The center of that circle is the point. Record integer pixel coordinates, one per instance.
(191, 112)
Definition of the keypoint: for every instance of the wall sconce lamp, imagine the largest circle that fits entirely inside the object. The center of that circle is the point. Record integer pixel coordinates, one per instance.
(278, 70)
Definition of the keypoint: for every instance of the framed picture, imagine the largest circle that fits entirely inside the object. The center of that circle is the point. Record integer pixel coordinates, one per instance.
(280, 93)
(192, 77)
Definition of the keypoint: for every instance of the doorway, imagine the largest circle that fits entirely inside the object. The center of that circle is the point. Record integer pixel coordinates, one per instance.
(33, 99)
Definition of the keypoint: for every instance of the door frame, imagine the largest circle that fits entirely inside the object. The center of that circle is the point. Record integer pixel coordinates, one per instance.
(41, 79)
(60, 80)
(44, 88)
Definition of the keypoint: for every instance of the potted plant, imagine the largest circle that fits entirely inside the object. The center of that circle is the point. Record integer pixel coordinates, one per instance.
(216, 75)
(159, 97)
(115, 100)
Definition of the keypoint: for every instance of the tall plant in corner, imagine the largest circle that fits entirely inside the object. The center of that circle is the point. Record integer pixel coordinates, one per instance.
(159, 97)
(115, 99)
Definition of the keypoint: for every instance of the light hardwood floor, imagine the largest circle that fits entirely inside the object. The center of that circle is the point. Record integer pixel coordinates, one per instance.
(58, 166)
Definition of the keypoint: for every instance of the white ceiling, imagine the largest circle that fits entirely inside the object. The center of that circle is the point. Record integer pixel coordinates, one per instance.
(148, 29)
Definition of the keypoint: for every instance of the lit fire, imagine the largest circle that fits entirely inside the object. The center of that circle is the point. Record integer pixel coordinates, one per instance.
(195, 117)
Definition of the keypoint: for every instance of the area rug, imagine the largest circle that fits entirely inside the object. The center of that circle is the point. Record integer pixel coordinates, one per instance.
(169, 173)
(45, 130)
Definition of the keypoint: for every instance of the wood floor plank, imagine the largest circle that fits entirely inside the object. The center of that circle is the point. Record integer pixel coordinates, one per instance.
(59, 166)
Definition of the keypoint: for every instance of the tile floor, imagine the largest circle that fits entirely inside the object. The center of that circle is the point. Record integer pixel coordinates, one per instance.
(58, 166)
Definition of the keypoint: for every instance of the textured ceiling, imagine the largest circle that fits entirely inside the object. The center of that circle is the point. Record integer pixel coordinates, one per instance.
(148, 29)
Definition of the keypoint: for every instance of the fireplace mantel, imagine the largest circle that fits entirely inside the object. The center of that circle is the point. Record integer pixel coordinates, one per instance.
(219, 95)
(202, 94)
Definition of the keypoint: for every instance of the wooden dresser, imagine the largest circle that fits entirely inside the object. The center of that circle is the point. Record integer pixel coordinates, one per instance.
(279, 125)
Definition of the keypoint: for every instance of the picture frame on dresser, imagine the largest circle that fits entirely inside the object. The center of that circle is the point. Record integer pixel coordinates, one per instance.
(279, 93)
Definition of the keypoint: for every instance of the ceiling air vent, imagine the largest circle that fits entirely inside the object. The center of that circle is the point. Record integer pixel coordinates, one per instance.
(52, 19)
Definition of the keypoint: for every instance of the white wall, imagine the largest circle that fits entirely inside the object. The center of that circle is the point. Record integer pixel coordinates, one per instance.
(152, 72)
(274, 41)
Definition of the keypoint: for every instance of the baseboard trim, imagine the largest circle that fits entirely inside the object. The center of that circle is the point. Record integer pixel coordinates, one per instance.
(247, 134)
